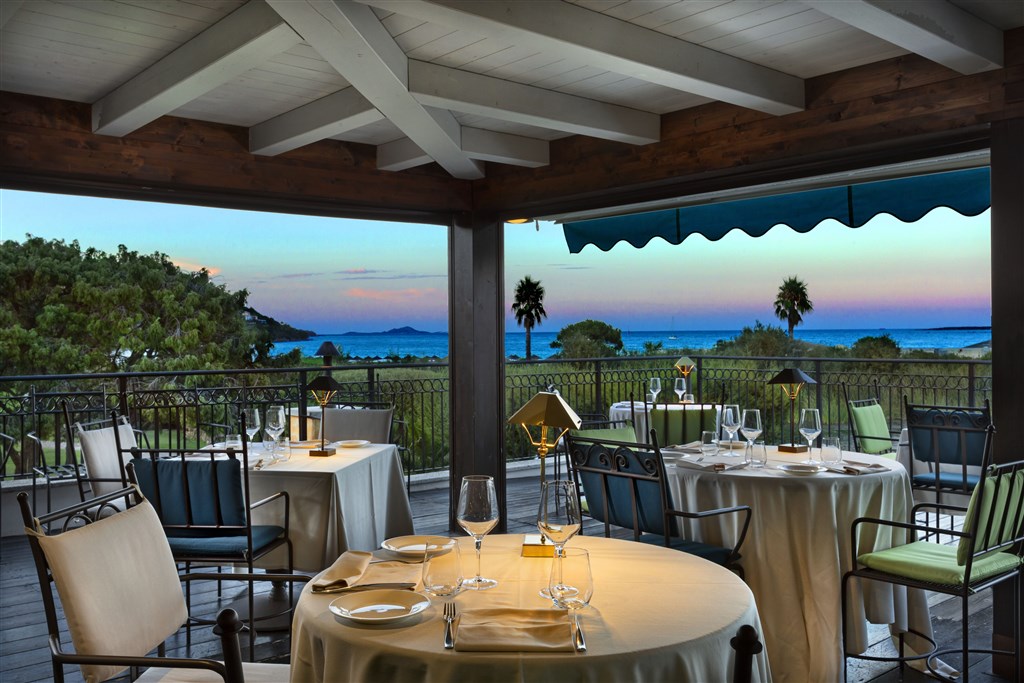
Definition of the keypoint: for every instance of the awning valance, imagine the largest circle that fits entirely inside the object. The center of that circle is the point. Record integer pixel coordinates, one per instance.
(908, 199)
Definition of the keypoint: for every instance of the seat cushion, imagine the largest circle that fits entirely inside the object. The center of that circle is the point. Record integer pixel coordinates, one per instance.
(254, 673)
(184, 543)
(947, 480)
(712, 553)
(936, 563)
(872, 428)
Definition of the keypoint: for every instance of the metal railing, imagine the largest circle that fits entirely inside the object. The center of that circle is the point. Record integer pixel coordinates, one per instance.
(185, 409)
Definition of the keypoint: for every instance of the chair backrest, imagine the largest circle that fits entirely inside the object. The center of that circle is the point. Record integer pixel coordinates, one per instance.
(746, 645)
(869, 427)
(948, 435)
(623, 481)
(106, 449)
(201, 492)
(680, 425)
(995, 515)
(117, 581)
(371, 424)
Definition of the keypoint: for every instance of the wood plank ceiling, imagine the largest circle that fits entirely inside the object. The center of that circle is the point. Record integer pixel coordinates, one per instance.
(480, 89)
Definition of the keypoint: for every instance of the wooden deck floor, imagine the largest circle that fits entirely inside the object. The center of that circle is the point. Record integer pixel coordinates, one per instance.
(24, 655)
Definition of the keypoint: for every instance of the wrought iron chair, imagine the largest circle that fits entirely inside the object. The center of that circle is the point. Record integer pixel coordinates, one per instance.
(989, 552)
(869, 428)
(204, 505)
(120, 591)
(369, 421)
(746, 645)
(680, 426)
(106, 449)
(949, 444)
(625, 485)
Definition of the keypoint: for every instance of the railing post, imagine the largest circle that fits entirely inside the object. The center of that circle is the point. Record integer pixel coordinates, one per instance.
(700, 383)
(371, 383)
(303, 384)
(122, 396)
(598, 392)
(970, 385)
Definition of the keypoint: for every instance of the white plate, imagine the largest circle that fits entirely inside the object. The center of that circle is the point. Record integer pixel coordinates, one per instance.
(353, 443)
(313, 443)
(736, 445)
(415, 546)
(379, 607)
(801, 468)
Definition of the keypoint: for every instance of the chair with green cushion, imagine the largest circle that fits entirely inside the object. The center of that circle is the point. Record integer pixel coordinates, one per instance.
(625, 485)
(681, 426)
(947, 447)
(869, 427)
(989, 552)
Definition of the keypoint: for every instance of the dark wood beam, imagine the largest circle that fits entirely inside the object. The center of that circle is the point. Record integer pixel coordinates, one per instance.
(476, 333)
(48, 145)
(891, 111)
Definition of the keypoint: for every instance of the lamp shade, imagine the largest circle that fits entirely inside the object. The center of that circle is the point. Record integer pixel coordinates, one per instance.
(792, 376)
(323, 388)
(548, 409)
(685, 365)
(327, 350)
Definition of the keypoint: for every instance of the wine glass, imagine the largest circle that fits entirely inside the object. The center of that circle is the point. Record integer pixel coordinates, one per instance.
(274, 426)
(558, 523)
(252, 422)
(477, 514)
(751, 425)
(572, 568)
(810, 428)
(731, 422)
(655, 387)
(680, 387)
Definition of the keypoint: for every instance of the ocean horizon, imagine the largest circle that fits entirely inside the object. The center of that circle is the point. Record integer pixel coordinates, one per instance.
(435, 344)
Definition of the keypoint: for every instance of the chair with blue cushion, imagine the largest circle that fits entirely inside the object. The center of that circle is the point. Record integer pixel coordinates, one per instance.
(203, 502)
(989, 552)
(624, 483)
(947, 448)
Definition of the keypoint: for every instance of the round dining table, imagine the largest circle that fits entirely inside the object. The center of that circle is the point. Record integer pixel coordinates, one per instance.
(656, 615)
(798, 548)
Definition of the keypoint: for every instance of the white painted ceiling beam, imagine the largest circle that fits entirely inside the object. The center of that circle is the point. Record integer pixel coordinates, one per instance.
(354, 42)
(326, 117)
(937, 30)
(8, 8)
(483, 145)
(598, 40)
(248, 36)
(441, 86)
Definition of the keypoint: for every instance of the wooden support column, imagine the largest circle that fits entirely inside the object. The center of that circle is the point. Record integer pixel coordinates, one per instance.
(1007, 337)
(476, 333)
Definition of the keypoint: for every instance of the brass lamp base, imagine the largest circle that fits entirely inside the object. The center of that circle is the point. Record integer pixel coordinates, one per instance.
(792, 448)
(317, 453)
(535, 545)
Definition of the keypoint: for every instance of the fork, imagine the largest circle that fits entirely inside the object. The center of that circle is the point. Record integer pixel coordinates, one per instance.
(449, 617)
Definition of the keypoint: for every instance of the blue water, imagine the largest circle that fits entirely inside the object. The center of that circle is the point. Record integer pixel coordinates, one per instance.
(436, 344)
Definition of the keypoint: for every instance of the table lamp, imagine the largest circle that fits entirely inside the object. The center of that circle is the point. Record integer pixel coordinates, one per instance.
(327, 351)
(323, 389)
(685, 366)
(792, 380)
(550, 413)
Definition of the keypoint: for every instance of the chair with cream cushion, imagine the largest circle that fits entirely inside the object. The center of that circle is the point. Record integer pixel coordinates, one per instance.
(358, 422)
(106, 448)
(121, 594)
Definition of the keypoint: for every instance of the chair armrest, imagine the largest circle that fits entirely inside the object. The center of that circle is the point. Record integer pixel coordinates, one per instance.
(937, 506)
(898, 525)
(287, 506)
(746, 509)
(244, 576)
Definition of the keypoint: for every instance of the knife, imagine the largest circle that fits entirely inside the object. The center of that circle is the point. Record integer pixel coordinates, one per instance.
(579, 641)
(364, 587)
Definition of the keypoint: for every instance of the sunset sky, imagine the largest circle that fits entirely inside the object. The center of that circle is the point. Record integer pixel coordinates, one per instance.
(336, 275)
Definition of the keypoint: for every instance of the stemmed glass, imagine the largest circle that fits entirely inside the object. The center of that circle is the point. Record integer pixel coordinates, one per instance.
(680, 387)
(558, 522)
(252, 422)
(274, 426)
(477, 514)
(751, 427)
(655, 387)
(810, 428)
(731, 422)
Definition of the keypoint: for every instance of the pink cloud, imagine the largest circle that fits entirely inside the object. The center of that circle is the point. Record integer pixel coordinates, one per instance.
(391, 295)
(193, 267)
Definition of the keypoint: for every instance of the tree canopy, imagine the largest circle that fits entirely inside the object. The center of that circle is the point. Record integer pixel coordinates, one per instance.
(69, 310)
(588, 339)
(528, 307)
(792, 302)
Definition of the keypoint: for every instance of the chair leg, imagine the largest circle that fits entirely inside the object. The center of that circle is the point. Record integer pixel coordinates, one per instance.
(842, 618)
(965, 636)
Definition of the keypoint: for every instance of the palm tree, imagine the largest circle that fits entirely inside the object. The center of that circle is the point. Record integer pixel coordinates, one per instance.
(529, 306)
(791, 303)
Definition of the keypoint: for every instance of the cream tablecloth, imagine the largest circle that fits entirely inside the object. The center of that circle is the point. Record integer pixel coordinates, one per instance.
(798, 548)
(352, 500)
(621, 411)
(656, 615)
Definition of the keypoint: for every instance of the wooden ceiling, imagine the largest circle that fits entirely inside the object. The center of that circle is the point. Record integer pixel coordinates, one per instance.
(413, 109)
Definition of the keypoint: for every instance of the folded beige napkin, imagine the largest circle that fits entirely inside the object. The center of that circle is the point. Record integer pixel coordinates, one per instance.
(354, 568)
(513, 630)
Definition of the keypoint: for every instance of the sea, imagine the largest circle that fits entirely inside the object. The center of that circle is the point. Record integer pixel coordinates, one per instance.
(435, 344)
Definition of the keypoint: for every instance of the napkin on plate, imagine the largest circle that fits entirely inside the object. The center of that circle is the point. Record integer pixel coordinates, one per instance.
(692, 447)
(855, 468)
(709, 466)
(513, 630)
(354, 568)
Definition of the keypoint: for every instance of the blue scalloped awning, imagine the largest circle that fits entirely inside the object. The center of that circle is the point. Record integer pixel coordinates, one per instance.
(908, 199)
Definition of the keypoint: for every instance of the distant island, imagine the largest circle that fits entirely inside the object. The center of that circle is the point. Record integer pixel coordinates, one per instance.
(964, 327)
(394, 330)
(277, 331)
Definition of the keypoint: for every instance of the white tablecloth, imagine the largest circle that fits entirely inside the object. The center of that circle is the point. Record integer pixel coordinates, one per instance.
(621, 411)
(352, 500)
(656, 615)
(798, 548)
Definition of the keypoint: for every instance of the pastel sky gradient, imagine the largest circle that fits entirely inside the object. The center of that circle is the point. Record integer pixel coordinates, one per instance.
(335, 275)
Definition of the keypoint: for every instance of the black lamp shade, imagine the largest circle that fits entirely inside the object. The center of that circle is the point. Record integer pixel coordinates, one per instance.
(792, 376)
(323, 383)
(327, 350)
